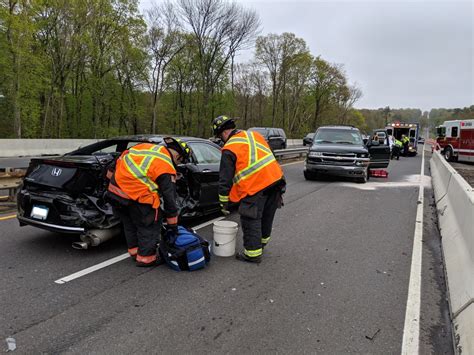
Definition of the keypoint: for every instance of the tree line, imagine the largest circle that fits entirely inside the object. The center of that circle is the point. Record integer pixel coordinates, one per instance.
(100, 68)
(96, 68)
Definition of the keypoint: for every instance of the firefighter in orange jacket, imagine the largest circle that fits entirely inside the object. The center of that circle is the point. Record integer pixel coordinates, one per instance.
(249, 174)
(143, 174)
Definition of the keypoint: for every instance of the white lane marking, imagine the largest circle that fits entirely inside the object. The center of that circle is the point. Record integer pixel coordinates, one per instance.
(92, 269)
(109, 262)
(295, 162)
(411, 329)
(205, 224)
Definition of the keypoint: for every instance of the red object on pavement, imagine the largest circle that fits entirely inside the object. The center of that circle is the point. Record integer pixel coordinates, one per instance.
(378, 173)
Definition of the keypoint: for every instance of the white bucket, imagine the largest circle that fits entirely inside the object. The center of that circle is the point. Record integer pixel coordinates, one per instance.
(225, 233)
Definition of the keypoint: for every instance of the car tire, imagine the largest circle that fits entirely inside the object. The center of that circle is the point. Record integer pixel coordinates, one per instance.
(310, 175)
(365, 178)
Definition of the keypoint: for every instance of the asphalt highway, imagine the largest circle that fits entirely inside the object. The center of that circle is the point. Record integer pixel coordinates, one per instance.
(335, 279)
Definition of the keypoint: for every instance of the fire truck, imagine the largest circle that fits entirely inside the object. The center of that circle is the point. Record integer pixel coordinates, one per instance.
(455, 139)
(411, 130)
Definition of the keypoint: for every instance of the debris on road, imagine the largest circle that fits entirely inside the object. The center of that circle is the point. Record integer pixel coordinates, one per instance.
(378, 173)
(11, 342)
(373, 336)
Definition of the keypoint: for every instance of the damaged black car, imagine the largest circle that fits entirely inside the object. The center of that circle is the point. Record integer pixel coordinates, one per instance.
(66, 194)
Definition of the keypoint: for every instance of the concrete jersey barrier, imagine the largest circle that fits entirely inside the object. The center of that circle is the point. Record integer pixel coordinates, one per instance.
(455, 205)
(34, 147)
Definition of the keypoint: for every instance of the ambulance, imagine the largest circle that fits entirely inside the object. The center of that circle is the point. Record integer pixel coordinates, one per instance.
(455, 139)
(411, 130)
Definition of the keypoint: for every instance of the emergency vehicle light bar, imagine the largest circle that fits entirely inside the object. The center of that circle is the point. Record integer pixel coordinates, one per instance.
(402, 125)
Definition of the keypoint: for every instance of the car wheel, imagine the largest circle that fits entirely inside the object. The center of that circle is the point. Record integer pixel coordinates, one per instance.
(448, 154)
(310, 175)
(364, 178)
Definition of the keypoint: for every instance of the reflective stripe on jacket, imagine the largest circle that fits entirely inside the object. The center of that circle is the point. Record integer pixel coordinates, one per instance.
(137, 170)
(255, 168)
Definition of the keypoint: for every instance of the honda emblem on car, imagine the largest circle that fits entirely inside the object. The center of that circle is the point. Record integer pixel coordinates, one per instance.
(56, 171)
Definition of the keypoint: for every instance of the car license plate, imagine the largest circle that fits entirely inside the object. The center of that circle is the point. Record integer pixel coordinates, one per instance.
(39, 212)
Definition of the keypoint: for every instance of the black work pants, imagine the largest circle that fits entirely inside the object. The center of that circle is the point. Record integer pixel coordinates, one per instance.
(405, 149)
(256, 216)
(396, 152)
(142, 227)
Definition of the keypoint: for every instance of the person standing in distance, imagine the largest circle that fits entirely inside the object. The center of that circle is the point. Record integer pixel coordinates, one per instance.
(142, 174)
(249, 174)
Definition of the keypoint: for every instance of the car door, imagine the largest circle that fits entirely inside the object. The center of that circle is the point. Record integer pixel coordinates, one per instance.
(203, 174)
(379, 155)
(413, 137)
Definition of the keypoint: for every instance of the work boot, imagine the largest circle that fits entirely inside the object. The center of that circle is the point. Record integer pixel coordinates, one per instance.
(242, 257)
(159, 261)
(140, 264)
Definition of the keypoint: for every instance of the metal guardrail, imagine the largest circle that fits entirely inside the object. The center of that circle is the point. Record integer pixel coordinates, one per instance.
(282, 154)
(10, 180)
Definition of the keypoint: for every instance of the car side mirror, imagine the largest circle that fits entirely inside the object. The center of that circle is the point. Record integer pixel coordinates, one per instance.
(365, 140)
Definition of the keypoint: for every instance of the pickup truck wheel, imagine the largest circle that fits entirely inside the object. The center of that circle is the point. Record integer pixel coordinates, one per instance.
(364, 178)
(309, 175)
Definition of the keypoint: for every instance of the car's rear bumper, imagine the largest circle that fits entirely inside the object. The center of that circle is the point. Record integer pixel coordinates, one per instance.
(49, 226)
(336, 170)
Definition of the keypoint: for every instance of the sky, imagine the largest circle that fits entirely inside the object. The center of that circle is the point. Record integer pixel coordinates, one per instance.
(402, 54)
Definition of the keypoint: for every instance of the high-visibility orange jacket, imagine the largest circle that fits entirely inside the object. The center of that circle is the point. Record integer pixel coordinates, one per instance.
(255, 168)
(137, 171)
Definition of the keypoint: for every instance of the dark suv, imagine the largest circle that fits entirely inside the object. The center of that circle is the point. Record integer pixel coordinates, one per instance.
(340, 151)
(275, 137)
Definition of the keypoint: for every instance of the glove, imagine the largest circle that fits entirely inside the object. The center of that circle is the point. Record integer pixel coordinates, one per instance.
(225, 208)
(172, 228)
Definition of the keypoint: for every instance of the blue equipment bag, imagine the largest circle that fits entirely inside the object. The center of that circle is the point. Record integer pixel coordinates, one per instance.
(185, 251)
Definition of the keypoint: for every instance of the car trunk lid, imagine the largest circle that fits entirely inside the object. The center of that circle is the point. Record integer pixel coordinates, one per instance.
(71, 174)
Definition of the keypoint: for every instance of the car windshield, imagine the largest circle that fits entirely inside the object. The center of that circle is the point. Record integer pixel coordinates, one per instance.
(337, 136)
